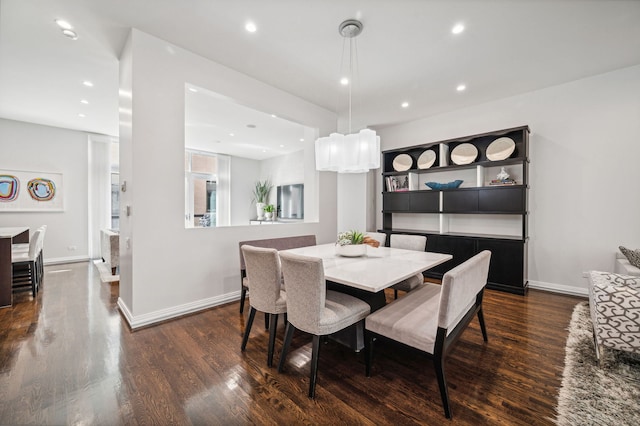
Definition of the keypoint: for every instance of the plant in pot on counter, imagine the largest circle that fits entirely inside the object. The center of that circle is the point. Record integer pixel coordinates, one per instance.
(268, 211)
(261, 196)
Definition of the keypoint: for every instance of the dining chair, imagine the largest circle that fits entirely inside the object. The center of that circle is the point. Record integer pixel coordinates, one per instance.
(380, 237)
(314, 309)
(26, 273)
(263, 269)
(408, 242)
(433, 317)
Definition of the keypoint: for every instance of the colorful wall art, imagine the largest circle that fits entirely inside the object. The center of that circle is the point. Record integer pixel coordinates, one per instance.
(30, 191)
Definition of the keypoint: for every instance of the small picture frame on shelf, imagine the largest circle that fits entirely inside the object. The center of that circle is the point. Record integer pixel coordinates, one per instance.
(397, 183)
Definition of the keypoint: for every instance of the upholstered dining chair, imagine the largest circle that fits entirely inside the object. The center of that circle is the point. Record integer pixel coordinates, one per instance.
(433, 317)
(263, 269)
(380, 237)
(408, 242)
(26, 268)
(314, 309)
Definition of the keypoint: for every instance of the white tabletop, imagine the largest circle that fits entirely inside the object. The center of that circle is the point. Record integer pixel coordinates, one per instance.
(380, 268)
(10, 232)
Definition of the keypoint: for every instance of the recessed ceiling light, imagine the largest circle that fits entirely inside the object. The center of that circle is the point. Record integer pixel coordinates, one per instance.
(274, 116)
(405, 105)
(71, 34)
(251, 27)
(281, 146)
(264, 150)
(301, 140)
(87, 83)
(231, 134)
(461, 87)
(81, 115)
(344, 81)
(63, 24)
(457, 28)
(84, 101)
(193, 90)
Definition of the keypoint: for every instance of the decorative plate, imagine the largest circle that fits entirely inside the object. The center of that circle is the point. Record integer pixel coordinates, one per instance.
(426, 159)
(402, 162)
(465, 153)
(500, 149)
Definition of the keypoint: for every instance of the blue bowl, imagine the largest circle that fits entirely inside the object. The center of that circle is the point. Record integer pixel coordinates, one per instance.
(449, 185)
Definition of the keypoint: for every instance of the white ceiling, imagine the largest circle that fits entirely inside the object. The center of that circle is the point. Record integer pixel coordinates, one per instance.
(406, 51)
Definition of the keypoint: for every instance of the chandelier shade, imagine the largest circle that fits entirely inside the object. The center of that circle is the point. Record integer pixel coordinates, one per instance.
(353, 152)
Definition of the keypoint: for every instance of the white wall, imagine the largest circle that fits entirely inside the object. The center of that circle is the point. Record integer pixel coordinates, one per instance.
(244, 174)
(169, 270)
(584, 151)
(33, 147)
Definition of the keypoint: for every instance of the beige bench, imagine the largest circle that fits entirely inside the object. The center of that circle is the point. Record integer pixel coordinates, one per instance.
(284, 243)
(110, 248)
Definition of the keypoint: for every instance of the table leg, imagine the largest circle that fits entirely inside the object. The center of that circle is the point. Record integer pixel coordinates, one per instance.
(6, 272)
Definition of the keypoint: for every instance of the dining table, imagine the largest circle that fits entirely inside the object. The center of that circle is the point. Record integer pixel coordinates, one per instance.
(366, 276)
(8, 237)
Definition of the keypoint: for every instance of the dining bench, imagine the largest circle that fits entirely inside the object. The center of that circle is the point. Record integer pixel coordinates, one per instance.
(283, 243)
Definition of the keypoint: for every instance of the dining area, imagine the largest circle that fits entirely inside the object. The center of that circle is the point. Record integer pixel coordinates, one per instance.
(338, 296)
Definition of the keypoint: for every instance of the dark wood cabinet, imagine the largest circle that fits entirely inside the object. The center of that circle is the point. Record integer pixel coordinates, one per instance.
(508, 269)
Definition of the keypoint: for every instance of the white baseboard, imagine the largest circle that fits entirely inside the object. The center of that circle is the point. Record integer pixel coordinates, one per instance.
(559, 288)
(174, 311)
(70, 259)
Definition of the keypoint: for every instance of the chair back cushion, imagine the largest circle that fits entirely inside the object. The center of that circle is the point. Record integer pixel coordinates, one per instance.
(306, 290)
(460, 287)
(263, 271)
(408, 242)
(284, 243)
(380, 237)
(35, 244)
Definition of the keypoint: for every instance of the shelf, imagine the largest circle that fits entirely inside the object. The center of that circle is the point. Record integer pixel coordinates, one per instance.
(455, 234)
(435, 169)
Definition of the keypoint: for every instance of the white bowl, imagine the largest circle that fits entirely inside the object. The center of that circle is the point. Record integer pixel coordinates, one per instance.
(351, 250)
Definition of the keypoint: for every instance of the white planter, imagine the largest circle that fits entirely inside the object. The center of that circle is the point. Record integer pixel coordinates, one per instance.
(268, 215)
(351, 250)
(260, 210)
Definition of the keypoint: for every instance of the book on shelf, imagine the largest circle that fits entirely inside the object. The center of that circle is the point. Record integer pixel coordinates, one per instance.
(408, 182)
(498, 182)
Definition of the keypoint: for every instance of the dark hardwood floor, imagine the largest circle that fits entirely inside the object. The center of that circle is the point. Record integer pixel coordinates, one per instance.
(69, 358)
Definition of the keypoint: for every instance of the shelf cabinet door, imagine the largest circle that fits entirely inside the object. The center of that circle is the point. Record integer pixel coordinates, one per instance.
(395, 202)
(508, 260)
(424, 201)
(460, 248)
(459, 201)
(501, 200)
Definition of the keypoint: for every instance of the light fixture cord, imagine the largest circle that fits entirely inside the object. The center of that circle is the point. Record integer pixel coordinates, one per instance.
(351, 41)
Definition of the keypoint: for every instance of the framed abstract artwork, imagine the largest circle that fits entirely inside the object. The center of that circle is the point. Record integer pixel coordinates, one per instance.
(30, 191)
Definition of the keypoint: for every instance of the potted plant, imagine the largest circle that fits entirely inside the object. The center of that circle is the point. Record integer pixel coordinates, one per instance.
(268, 211)
(261, 196)
(351, 244)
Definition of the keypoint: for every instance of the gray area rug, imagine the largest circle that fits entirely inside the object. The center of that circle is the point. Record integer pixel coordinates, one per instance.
(609, 395)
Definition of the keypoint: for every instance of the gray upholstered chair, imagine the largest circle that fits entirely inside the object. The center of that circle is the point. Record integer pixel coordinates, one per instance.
(263, 269)
(433, 317)
(408, 242)
(614, 301)
(314, 309)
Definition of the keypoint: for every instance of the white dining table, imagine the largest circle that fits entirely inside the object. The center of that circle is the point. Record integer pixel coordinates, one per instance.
(380, 268)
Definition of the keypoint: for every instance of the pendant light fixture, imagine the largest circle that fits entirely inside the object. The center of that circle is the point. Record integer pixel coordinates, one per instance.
(353, 152)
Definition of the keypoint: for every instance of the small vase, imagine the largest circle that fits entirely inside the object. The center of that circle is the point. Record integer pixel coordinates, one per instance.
(260, 210)
(268, 215)
(351, 250)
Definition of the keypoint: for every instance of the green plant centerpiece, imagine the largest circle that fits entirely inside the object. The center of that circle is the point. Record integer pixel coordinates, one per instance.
(268, 211)
(351, 244)
(261, 192)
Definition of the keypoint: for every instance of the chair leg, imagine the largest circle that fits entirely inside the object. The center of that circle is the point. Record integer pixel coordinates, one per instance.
(288, 334)
(273, 320)
(438, 363)
(243, 295)
(313, 375)
(368, 352)
(266, 321)
(245, 338)
(34, 280)
(595, 345)
(482, 326)
(395, 293)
